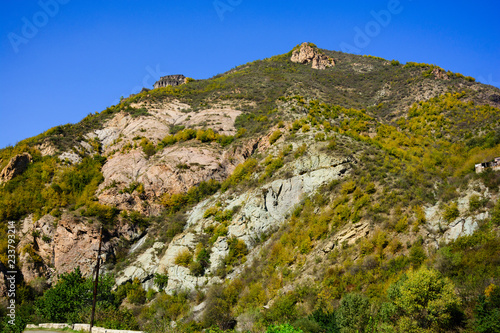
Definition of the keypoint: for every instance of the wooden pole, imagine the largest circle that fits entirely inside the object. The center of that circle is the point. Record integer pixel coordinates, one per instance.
(96, 281)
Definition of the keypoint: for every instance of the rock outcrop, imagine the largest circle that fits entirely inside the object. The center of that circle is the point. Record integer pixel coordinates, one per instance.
(170, 80)
(143, 268)
(52, 246)
(440, 74)
(16, 166)
(306, 54)
(175, 168)
(261, 210)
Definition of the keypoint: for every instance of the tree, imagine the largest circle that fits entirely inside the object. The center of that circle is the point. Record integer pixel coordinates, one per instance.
(354, 313)
(425, 300)
(487, 311)
(66, 298)
(66, 301)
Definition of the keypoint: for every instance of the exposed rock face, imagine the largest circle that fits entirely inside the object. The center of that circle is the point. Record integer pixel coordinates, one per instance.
(440, 74)
(76, 245)
(143, 268)
(49, 246)
(16, 166)
(307, 54)
(173, 169)
(262, 209)
(71, 157)
(46, 149)
(170, 80)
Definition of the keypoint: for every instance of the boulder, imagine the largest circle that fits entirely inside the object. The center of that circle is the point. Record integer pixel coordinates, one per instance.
(306, 54)
(16, 166)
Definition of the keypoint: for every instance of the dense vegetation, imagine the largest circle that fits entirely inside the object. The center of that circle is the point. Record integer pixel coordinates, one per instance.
(412, 153)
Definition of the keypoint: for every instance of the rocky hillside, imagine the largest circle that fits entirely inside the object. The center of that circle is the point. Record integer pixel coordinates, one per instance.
(305, 189)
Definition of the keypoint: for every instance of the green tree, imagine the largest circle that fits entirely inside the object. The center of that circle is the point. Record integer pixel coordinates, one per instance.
(425, 300)
(354, 313)
(220, 302)
(487, 311)
(66, 301)
(68, 297)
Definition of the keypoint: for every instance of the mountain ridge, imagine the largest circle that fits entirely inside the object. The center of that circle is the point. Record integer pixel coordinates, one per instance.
(264, 192)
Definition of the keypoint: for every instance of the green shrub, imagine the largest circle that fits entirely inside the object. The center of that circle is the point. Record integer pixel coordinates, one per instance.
(202, 262)
(451, 212)
(296, 125)
(275, 136)
(242, 172)
(417, 255)
(284, 309)
(401, 224)
(319, 137)
(273, 165)
(487, 311)
(240, 132)
(495, 214)
(476, 202)
(137, 294)
(160, 281)
(178, 201)
(353, 313)
(283, 328)
(237, 251)
(159, 314)
(184, 258)
(176, 128)
(348, 187)
(300, 151)
(219, 304)
(71, 295)
(148, 147)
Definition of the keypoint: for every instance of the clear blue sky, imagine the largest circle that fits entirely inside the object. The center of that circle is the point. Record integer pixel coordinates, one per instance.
(60, 62)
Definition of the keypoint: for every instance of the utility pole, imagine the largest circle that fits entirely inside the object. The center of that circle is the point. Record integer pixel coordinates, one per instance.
(96, 281)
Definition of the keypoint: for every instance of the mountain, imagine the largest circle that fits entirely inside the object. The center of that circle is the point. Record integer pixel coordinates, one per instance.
(315, 190)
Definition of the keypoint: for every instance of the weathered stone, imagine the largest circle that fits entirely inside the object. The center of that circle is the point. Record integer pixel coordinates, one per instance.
(440, 74)
(46, 149)
(82, 327)
(306, 54)
(170, 80)
(75, 245)
(16, 166)
(70, 156)
(143, 267)
(352, 233)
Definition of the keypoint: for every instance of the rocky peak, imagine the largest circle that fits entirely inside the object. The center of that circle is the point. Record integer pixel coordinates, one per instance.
(16, 166)
(440, 74)
(309, 53)
(170, 80)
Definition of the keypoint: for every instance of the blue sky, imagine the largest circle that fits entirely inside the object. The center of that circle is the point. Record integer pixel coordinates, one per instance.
(62, 59)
